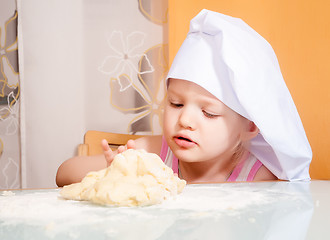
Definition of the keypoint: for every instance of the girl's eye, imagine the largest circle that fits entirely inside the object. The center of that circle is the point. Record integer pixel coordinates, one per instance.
(210, 115)
(176, 105)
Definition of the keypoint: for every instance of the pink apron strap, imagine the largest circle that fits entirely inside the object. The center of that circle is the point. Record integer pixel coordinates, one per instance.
(254, 170)
(163, 154)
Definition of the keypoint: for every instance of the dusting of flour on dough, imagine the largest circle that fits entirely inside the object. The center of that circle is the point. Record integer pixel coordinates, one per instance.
(134, 178)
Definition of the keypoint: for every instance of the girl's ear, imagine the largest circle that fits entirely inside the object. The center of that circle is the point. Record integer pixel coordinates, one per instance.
(251, 131)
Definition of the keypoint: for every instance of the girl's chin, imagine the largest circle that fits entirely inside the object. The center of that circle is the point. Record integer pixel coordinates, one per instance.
(186, 156)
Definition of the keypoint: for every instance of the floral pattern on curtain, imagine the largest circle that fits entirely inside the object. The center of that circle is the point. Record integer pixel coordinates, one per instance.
(139, 73)
(9, 98)
(101, 65)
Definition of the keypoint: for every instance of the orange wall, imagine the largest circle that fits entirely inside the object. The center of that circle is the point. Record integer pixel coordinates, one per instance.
(299, 32)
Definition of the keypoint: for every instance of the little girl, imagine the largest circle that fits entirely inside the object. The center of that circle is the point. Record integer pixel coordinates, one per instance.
(228, 114)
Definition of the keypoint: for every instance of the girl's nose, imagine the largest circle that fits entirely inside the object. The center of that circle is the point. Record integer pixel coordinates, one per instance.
(187, 118)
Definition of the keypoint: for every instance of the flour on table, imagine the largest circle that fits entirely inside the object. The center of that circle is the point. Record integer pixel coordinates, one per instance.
(134, 178)
(8, 193)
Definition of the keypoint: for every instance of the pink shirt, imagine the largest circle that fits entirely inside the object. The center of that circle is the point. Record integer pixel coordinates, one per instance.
(245, 170)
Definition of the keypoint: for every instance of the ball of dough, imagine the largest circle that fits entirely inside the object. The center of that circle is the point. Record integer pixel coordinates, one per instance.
(134, 178)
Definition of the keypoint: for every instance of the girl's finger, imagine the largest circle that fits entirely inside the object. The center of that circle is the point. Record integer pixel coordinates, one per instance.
(121, 149)
(105, 145)
(130, 144)
(108, 153)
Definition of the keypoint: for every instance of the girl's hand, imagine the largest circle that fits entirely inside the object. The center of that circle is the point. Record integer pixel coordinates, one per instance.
(109, 154)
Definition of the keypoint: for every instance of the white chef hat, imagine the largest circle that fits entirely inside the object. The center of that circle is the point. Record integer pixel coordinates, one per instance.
(233, 62)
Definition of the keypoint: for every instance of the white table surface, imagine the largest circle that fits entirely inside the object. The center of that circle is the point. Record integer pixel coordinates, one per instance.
(264, 210)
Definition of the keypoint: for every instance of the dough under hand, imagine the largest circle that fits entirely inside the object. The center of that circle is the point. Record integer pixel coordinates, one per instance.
(134, 178)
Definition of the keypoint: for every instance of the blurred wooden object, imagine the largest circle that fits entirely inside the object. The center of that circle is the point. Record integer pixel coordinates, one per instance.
(92, 142)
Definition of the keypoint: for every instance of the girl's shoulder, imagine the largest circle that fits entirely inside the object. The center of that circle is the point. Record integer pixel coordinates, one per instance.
(264, 174)
(261, 172)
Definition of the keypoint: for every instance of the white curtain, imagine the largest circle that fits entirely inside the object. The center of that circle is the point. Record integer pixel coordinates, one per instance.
(86, 65)
(9, 98)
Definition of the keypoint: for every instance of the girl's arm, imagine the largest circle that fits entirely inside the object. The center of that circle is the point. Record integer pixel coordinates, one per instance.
(75, 169)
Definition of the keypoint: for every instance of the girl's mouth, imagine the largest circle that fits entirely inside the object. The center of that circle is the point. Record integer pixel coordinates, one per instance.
(183, 138)
(184, 142)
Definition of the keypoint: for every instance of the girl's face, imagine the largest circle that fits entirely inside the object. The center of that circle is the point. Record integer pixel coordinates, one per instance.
(199, 127)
